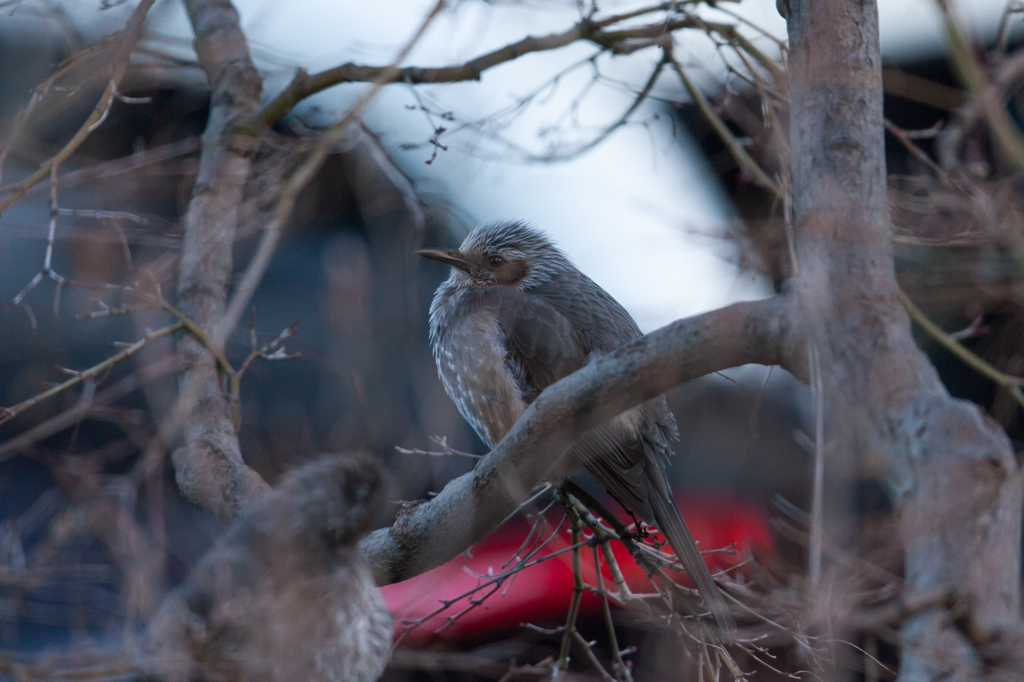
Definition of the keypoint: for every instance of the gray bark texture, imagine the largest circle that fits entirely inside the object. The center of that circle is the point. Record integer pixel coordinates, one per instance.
(209, 467)
(949, 467)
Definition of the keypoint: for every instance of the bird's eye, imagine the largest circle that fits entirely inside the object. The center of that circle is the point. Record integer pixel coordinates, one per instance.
(495, 261)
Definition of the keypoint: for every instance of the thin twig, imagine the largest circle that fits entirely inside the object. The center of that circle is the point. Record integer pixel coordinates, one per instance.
(619, 665)
(976, 81)
(271, 351)
(744, 159)
(446, 451)
(562, 664)
(7, 413)
(1010, 383)
(907, 141)
(305, 85)
(66, 67)
(131, 35)
(299, 179)
(818, 484)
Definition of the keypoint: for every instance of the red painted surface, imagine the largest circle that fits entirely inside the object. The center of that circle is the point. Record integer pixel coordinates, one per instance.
(540, 593)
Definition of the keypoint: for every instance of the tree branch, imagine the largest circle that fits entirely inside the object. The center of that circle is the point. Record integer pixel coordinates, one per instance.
(130, 36)
(735, 148)
(209, 468)
(305, 85)
(469, 507)
(7, 413)
(1010, 383)
(300, 178)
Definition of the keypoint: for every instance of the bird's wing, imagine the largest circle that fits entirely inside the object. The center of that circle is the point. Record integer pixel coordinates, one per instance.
(541, 343)
(616, 460)
(625, 454)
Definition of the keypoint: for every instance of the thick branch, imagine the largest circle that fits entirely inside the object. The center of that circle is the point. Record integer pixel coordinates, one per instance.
(209, 467)
(474, 504)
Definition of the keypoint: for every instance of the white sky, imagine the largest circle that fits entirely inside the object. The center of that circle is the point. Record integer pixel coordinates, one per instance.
(631, 212)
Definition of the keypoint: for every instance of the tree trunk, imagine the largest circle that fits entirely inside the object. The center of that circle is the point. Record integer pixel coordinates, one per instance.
(950, 469)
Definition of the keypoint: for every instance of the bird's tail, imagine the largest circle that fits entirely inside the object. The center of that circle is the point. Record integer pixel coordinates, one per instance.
(670, 523)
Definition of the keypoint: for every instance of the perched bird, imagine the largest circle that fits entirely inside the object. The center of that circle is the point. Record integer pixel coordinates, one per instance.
(285, 595)
(515, 316)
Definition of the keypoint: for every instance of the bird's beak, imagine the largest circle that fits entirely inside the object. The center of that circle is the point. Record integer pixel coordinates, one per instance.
(452, 258)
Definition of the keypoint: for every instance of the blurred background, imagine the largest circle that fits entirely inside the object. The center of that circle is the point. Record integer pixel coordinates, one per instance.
(655, 210)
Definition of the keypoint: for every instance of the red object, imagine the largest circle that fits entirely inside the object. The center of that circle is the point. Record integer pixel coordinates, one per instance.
(541, 592)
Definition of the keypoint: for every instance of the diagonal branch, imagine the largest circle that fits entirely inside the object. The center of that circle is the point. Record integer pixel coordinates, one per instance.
(8, 413)
(1009, 382)
(301, 177)
(131, 34)
(424, 536)
(743, 158)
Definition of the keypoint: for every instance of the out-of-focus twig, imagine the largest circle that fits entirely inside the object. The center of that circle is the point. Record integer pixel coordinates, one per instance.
(744, 159)
(569, 629)
(67, 66)
(907, 141)
(300, 178)
(30, 671)
(270, 351)
(129, 36)
(618, 665)
(818, 479)
(7, 413)
(445, 451)
(989, 99)
(1011, 383)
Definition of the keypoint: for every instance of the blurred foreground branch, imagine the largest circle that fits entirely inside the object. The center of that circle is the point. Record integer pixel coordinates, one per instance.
(128, 37)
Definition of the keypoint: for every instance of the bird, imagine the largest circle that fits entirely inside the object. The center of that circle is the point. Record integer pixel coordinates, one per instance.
(285, 594)
(514, 316)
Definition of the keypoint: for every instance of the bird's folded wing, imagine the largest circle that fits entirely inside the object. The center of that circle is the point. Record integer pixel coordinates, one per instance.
(542, 345)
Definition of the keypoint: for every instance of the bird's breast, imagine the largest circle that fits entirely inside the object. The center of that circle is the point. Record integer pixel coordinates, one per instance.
(470, 353)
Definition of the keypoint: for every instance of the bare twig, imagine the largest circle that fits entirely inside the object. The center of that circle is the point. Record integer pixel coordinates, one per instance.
(562, 664)
(818, 484)
(299, 179)
(446, 450)
(129, 36)
(989, 99)
(271, 351)
(589, 29)
(1011, 383)
(72, 416)
(744, 159)
(8, 413)
(618, 665)
(907, 141)
(305, 84)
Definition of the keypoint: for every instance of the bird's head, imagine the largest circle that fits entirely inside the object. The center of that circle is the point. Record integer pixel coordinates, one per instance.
(502, 254)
